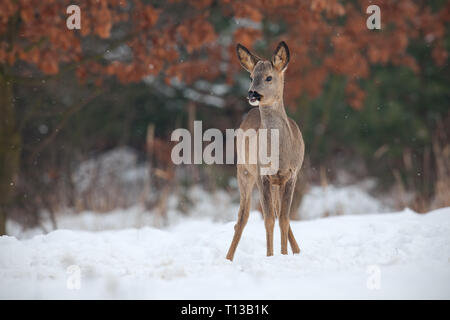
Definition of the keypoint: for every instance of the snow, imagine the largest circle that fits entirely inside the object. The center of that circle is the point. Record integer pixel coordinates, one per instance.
(331, 201)
(220, 206)
(401, 255)
(118, 164)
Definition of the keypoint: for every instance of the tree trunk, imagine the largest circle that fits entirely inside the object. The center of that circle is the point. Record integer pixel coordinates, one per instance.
(10, 148)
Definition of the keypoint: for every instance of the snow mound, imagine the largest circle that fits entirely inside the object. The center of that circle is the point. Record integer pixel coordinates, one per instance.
(400, 255)
(327, 201)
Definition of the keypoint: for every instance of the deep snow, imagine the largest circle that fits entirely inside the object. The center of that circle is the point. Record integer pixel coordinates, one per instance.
(389, 256)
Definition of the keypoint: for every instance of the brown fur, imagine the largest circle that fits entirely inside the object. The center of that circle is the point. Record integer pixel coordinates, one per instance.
(275, 190)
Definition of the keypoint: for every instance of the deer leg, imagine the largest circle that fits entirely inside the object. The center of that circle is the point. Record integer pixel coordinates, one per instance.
(265, 190)
(294, 246)
(246, 184)
(286, 232)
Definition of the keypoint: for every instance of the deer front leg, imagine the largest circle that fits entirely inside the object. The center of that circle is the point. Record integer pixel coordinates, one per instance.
(286, 232)
(265, 191)
(246, 184)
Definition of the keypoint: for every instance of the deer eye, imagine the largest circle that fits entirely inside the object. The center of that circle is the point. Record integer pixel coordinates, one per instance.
(251, 79)
(269, 78)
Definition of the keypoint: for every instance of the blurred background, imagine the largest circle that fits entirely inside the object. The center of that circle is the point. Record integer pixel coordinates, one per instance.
(86, 115)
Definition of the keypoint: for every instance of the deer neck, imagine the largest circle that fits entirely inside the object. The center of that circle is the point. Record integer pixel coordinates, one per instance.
(273, 116)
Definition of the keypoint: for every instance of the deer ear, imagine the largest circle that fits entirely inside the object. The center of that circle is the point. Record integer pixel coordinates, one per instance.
(280, 58)
(246, 58)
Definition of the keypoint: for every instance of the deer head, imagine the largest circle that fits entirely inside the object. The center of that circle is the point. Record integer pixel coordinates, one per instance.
(267, 77)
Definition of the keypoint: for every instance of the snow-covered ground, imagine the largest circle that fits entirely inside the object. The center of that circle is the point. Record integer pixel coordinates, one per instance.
(372, 256)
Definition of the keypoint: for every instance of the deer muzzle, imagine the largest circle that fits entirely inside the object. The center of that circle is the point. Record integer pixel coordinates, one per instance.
(254, 98)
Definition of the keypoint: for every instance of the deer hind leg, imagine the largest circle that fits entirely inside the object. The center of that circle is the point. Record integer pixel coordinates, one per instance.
(265, 191)
(246, 183)
(294, 246)
(285, 228)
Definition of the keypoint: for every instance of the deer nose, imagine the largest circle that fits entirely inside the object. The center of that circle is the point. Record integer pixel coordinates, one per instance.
(253, 95)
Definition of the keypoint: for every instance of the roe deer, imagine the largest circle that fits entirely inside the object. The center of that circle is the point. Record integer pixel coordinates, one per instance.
(276, 190)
